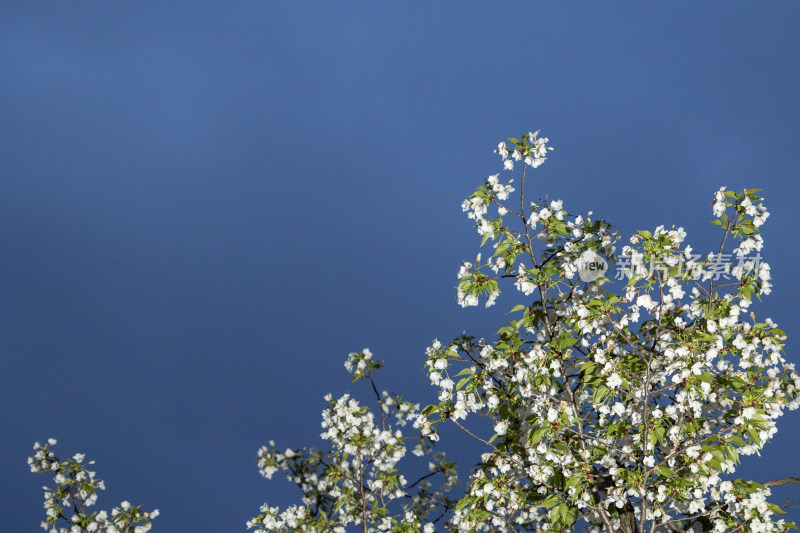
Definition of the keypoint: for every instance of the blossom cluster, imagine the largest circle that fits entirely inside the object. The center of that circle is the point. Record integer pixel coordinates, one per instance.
(75, 491)
(619, 411)
(532, 149)
(357, 481)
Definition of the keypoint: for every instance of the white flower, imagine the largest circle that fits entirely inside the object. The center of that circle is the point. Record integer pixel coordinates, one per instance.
(467, 300)
(490, 301)
(501, 427)
(502, 149)
(541, 148)
(677, 292)
(504, 192)
(645, 301)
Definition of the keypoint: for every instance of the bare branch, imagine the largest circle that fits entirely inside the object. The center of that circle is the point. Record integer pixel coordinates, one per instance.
(782, 481)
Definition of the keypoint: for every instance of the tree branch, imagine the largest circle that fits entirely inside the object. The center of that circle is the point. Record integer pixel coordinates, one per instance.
(782, 481)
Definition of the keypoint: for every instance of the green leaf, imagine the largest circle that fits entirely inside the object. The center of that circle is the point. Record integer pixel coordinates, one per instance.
(535, 435)
(737, 440)
(561, 510)
(599, 394)
(429, 410)
(775, 509)
(753, 434)
(500, 249)
(550, 501)
(463, 502)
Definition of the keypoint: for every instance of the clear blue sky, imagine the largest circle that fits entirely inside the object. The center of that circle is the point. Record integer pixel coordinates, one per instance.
(205, 206)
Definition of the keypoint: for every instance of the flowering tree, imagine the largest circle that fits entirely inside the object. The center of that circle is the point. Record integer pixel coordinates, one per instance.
(612, 410)
(621, 412)
(357, 482)
(75, 490)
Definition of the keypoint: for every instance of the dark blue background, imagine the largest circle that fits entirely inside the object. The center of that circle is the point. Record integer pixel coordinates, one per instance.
(204, 206)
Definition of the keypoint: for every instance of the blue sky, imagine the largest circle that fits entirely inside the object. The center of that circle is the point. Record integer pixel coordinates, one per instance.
(204, 207)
